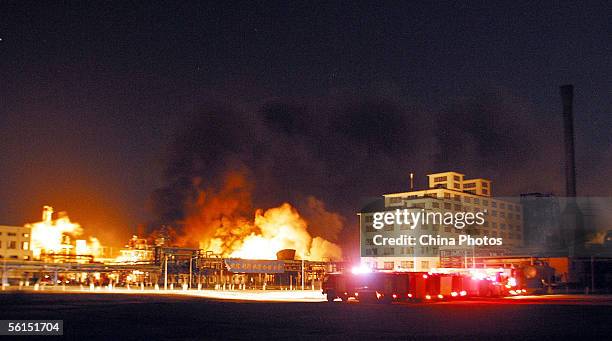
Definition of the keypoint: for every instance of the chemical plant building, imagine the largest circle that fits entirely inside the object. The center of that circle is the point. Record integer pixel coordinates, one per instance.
(15, 243)
(69, 261)
(447, 192)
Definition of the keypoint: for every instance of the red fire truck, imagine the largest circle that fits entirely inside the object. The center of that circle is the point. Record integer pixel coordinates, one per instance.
(389, 286)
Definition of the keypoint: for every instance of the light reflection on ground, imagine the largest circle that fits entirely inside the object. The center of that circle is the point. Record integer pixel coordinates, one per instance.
(317, 296)
(248, 295)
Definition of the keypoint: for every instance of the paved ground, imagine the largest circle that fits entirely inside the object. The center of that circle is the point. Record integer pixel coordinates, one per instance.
(147, 316)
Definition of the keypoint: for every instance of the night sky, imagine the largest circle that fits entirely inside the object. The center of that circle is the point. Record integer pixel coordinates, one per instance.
(107, 108)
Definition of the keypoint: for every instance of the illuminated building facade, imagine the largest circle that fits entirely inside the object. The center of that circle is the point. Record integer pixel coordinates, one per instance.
(447, 192)
(15, 242)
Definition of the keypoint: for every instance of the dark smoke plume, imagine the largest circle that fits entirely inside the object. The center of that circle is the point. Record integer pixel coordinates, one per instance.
(325, 155)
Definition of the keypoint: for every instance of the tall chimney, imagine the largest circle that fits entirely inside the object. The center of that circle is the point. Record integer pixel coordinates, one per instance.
(567, 97)
(573, 232)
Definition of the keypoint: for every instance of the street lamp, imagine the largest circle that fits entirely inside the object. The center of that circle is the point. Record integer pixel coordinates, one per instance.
(165, 271)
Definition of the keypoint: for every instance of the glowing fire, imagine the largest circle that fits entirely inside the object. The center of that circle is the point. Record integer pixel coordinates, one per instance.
(137, 250)
(223, 220)
(53, 236)
(277, 229)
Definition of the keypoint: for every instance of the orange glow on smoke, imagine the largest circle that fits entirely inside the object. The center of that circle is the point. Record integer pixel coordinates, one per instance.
(223, 222)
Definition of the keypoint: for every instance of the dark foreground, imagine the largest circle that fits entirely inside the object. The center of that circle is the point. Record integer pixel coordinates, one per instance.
(117, 316)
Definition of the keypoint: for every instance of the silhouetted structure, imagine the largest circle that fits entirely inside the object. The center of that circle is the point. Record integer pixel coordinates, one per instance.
(572, 223)
(541, 221)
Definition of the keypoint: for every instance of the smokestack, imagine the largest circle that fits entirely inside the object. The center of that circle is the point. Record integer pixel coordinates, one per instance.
(567, 97)
(572, 220)
(47, 214)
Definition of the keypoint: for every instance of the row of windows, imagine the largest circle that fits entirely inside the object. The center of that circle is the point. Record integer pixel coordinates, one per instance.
(444, 178)
(468, 188)
(459, 207)
(14, 234)
(477, 201)
(12, 245)
(502, 226)
(405, 264)
(436, 228)
(423, 249)
(473, 185)
(390, 251)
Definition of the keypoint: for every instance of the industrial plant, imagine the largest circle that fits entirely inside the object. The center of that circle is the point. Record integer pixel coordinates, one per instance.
(57, 260)
(546, 240)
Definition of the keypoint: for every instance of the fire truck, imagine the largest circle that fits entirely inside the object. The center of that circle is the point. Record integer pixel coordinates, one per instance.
(442, 284)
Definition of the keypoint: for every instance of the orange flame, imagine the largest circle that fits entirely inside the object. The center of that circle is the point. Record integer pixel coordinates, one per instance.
(283, 228)
(218, 223)
(53, 236)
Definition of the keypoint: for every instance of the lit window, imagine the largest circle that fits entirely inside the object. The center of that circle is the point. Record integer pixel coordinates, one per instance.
(406, 264)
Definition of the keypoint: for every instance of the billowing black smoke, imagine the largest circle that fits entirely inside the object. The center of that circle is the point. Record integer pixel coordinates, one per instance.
(325, 155)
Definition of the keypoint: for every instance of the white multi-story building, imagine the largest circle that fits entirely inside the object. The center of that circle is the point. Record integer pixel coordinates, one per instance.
(15, 243)
(447, 192)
